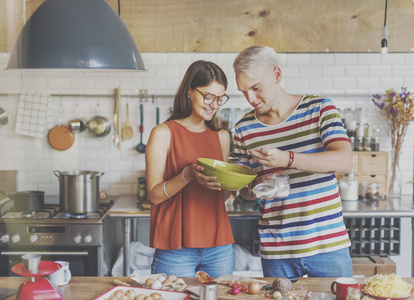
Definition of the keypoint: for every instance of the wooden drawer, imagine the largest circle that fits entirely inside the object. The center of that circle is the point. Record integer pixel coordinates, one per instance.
(373, 163)
(381, 179)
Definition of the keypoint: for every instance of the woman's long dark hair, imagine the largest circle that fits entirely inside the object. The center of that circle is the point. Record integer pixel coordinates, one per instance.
(199, 74)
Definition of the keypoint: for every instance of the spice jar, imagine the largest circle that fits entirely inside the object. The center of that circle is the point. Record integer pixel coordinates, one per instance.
(367, 144)
(368, 130)
(375, 142)
(359, 144)
(348, 187)
(369, 190)
(360, 130)
(142, 189)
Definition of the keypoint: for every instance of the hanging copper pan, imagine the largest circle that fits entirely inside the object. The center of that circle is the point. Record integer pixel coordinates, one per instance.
(61, 137)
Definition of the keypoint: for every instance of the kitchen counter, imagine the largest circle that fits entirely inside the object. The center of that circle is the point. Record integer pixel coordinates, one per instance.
(126, 208)
(87, 288)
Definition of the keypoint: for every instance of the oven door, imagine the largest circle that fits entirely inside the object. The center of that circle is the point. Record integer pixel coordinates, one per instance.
(83, 261)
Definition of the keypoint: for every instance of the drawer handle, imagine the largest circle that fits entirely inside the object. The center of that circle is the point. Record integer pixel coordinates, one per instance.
(373, 176)
(373, 155)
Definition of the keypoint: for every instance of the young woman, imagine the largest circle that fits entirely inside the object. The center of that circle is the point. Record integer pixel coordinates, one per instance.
(189, 226)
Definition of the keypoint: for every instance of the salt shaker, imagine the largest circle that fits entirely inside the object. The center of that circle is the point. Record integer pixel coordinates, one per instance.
(208, 292)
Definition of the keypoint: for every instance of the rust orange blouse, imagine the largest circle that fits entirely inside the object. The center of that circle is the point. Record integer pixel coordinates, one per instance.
(195, 217)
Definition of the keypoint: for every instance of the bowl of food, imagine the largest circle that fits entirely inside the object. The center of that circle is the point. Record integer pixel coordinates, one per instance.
(230, 176)
(390, 286)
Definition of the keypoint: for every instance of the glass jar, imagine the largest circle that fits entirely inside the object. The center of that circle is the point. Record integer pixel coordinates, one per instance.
(367, 144)
(368, 130)
(351, 124)
(142, 189)
(360, 130)
(369, 190)
(353, 293)
(359, 144)
(352, 139)
(282, 183)
(375, 142)
(362, 115)
(348, 187)
(276, 187)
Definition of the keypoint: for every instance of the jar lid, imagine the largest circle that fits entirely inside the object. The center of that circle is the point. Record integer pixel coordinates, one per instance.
(370, 184)
(280, 177)
(264, 190)
(351, 174)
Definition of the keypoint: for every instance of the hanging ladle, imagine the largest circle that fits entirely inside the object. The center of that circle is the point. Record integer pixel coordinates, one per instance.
(141, 147)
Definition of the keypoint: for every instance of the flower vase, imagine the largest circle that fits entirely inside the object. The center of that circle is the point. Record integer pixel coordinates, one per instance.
(395, 180)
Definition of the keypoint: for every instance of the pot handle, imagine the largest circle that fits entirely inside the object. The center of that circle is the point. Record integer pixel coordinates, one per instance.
(7, 194)
(97, 175)
(57, 173)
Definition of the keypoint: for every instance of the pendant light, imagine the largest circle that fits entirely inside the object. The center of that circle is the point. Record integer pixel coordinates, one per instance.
(75, 34)
(384, 42)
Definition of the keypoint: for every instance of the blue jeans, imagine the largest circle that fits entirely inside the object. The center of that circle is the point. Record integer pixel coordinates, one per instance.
(332, 264)
(185, 262)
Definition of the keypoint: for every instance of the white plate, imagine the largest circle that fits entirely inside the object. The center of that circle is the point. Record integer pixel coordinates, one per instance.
(168, 295)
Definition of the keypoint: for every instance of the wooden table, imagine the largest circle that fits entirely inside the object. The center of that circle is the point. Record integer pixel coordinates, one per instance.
(87, 288)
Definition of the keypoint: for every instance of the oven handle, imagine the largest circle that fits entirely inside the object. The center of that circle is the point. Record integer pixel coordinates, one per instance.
(74, 253)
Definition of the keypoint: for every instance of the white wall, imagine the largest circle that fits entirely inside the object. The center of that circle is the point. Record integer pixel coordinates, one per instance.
(349, 79)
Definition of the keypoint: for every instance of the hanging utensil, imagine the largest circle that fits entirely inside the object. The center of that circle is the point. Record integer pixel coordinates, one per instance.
(98, 126)
(78, 124)
(141, 147)
(157, 112)
(127, 131)
(4, 119)
(60, 137)
(115, 137)
(118, 112)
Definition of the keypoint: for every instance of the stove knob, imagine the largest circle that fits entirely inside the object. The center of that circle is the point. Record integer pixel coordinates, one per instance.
(5, 238)
(77, 239)
(87, 239)
(33, 238)
(15, 238)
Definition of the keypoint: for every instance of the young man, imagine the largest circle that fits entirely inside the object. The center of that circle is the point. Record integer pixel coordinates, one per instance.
(302, 137)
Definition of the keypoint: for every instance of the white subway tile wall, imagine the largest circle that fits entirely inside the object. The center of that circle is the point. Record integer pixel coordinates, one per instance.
(349, 79)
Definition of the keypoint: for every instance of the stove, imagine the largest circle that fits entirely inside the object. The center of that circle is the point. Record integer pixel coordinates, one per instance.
(55, 235)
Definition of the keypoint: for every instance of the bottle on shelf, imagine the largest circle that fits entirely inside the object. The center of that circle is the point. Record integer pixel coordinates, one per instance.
(375, 141)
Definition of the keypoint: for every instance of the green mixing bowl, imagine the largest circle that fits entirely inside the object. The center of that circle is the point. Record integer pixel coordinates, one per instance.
(230, 176)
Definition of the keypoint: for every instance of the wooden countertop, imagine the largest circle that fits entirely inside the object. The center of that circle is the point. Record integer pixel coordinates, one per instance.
(87, 288)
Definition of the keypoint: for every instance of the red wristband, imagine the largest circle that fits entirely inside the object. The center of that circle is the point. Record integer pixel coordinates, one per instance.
(291, 158)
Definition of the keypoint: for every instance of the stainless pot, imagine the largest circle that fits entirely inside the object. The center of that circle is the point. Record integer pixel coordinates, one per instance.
(27, 201)
(78, 191)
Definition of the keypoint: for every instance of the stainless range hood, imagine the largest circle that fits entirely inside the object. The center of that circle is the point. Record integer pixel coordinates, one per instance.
(75, 34)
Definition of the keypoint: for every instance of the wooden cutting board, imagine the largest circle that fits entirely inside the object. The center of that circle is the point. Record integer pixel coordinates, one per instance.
(298, 292)
(223, 293)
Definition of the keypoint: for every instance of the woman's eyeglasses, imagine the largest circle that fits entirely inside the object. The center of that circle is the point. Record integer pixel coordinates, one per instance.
(210, 98)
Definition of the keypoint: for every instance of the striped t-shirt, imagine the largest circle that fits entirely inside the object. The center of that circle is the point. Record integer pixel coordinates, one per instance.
(309, 221)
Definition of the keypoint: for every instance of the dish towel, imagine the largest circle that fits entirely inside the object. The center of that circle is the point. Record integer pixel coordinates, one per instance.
(32, 115)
